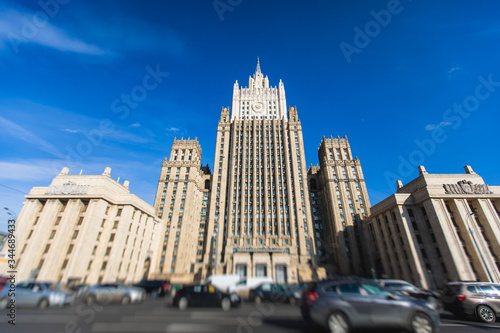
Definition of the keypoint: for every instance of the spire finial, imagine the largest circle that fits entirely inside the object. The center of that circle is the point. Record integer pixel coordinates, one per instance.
(257, 71)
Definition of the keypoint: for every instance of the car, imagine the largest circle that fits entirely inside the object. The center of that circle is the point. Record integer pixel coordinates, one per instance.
(273, 292)
(3, 282)
(243, 287)
(205, 295)
(479, 299)
(408, 289)
(113, 293)
(224, 282)
(154, 288)
(37, 294)
(343, 305)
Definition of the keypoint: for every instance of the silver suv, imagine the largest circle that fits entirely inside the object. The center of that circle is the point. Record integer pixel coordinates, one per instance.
(480, 299)
(343, 305)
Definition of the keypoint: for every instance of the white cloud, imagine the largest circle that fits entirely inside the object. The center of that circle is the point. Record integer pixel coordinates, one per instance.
(71, 130)
(29, 137)
(135, 125)
(27, 170)
(18, 27)
(431, 127)
(172, 129)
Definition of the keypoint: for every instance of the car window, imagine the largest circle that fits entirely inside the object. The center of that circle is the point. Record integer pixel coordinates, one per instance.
(471, 289)
(487, 290)
(242, 283)
(374, 290)
(349, 288)
(266, 287)
(24, 285)
(197, 289)
(278, 287)
(497, 287)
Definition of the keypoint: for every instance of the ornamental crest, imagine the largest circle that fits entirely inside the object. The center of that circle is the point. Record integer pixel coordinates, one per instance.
(67, 188)
(466, 187)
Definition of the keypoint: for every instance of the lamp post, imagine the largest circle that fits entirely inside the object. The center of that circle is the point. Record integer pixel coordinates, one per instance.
(469, 225)
(216, 236)
(11, 213)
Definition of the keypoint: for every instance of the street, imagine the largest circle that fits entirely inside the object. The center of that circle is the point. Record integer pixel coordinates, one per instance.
(158, 315)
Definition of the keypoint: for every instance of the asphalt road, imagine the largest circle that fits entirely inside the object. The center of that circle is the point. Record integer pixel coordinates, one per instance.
(158, 315)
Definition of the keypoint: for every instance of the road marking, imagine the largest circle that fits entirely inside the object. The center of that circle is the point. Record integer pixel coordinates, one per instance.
(129, 327)
(47, 318)
(185, 328)
(208, 315)
(470, 325)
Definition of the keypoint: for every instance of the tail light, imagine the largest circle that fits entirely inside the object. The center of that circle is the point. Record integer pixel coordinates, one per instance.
(177, 293)
(311, 297)
(460, 298)
(165, 286)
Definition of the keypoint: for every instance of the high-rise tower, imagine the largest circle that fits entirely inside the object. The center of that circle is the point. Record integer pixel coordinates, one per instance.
(260, 219)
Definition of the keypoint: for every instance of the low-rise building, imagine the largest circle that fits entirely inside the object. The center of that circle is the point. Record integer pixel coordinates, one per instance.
(85, 229)
(438, 228)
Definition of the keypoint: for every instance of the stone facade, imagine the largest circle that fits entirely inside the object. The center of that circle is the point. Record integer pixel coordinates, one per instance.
(340, 202)
(255, 219)
(85, 229)
(182, 203)
(438, 228)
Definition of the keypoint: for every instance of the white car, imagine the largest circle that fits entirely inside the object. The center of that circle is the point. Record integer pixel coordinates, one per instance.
(243, 287)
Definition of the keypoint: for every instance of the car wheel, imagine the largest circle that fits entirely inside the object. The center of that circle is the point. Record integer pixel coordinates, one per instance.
(337, 323)
(258, 299)
(90, 300)
(125, 300)
(486, 314)
(4, 302)
(183, 303)
(421, 323)
(226, 304)
(43, 304)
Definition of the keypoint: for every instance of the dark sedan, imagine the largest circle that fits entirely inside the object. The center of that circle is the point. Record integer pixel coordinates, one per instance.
(154, 288)
(346, 304)
(273, 292)
(205, 295)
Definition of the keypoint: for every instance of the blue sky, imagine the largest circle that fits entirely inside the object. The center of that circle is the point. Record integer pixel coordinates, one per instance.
(409, 83)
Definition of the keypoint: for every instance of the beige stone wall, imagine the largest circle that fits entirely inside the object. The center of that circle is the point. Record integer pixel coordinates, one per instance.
(101, 234)
(427, 235)
(344, 203)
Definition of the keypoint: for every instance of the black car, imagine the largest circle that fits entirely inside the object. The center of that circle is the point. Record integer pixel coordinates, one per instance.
(344, 305)
(205, 295)
(273, 292)
(154, 288)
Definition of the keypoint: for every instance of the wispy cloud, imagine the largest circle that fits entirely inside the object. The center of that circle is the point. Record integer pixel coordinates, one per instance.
(172, 129)
(23, 134)
(19, 26)
(135, 125)
(115, 135)
(431, 127)
(27, 170)
(71, 130)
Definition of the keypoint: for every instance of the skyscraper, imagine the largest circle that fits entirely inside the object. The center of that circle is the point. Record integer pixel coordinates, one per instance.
(258, 218)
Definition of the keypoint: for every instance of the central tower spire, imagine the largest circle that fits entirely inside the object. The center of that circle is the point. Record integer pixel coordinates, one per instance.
(257, 70)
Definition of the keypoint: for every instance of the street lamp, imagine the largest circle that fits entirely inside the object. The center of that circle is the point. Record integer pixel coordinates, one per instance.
(216, 236)
(11, 213)
(469, 225)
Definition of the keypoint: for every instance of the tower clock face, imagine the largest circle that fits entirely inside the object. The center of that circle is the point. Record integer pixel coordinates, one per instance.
(257, 107)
